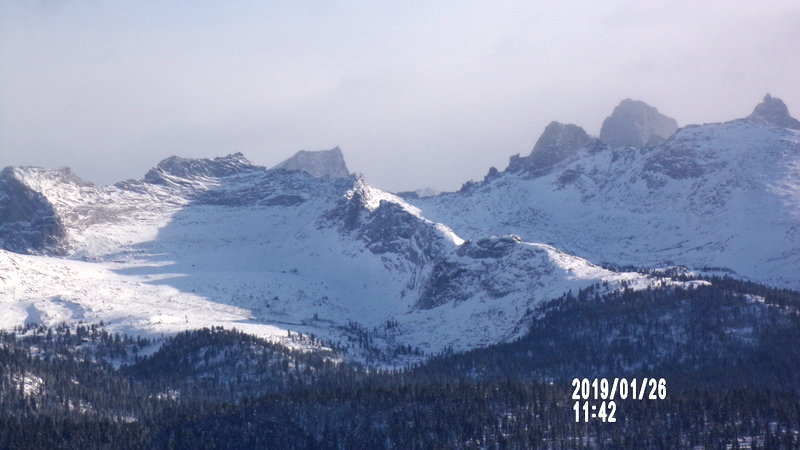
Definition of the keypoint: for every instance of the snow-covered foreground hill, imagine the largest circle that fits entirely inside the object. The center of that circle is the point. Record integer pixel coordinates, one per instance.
(222, 242)
(714, 196)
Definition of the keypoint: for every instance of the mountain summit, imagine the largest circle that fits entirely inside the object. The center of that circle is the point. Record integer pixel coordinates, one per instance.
(772, 110)
(557, 143)
(323, 163)
(636, 124)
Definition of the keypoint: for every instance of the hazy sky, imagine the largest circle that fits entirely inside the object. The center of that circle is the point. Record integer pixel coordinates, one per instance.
(416, 93)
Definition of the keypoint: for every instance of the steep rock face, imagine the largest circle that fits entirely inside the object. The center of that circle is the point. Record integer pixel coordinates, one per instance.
(636, 124)
(772, 110)
(558, 143)
(324, 163)
(28, 221)
(500, 267)
(391, 228)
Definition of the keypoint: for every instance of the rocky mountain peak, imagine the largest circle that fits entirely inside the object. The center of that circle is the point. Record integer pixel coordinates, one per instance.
(772, 110)
(562, 136)
(634, 123)
(557, 143)
(323, 163)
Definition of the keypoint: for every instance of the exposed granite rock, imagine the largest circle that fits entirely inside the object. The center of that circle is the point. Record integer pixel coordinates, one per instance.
(324, 163)
(772, 110)
(28, 221)
(636, 124)
(493, 247)
(558, 143)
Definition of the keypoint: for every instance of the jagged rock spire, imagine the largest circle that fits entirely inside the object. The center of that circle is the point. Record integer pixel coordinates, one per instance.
(557, 143)
(636, 124)
(772, 110)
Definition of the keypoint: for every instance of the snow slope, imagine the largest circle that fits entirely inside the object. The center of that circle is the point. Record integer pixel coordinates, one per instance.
(223, 242)
(721, 195)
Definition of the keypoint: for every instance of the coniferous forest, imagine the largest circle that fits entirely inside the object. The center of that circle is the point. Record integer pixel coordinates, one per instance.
(728, 350)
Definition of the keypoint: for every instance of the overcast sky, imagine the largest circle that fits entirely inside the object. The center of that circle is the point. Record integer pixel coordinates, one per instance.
(417, 94)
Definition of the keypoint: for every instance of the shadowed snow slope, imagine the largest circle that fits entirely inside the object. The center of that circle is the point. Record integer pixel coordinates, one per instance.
(222, 242)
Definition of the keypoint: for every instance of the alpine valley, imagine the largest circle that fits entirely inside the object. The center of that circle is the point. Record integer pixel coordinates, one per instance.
(651, 250)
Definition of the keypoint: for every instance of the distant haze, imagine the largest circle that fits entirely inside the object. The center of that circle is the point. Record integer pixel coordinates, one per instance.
(417, 94)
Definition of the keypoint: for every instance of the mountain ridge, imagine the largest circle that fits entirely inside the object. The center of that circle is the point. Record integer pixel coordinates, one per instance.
(222, 242)
(208, 242)
(714, 195)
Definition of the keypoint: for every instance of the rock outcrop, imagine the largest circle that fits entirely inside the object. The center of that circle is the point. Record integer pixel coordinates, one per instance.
(772, 110)
(324, 163)
(558, 143)
(28, 221)
(636, 124)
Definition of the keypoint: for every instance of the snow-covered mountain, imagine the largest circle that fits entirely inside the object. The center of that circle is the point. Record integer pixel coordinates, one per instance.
(322, 163)
(308, 248)
(723, 195)
(201, 242)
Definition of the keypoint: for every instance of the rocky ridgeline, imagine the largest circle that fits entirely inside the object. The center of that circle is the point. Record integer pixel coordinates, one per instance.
(632, 124)
(722, 195)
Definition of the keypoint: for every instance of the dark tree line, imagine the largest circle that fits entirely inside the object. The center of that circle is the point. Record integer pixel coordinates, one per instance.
(729, 351)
